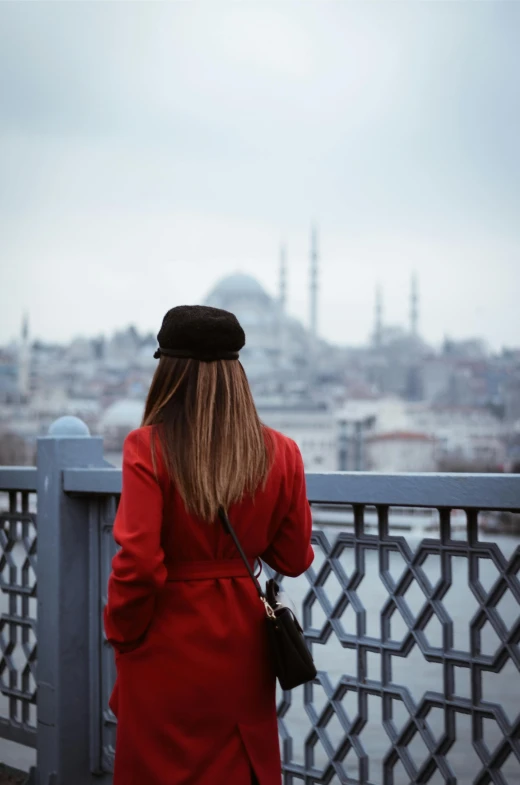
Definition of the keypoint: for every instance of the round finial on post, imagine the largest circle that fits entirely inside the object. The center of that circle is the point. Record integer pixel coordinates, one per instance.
(69, 427)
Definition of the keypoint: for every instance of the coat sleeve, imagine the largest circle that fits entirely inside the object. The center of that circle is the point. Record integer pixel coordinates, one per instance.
(138, 569)
(290, 552)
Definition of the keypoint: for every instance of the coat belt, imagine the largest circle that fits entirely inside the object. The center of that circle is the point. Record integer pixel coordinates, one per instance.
(204, 570)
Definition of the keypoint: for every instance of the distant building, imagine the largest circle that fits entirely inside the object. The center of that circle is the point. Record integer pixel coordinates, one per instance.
(401, 451)
(465, 436)
(511, 390)
(312, 427)
(8, 378)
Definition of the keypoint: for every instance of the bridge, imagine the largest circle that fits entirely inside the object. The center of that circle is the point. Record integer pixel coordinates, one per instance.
(416, 634)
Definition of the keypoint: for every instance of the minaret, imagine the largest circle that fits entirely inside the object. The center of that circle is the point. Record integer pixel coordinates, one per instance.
(25, 329)
(414, 307)
(378, 321)
(314, 285)
(23, 361)
(283, 278)
(414, 386)
(282, 306)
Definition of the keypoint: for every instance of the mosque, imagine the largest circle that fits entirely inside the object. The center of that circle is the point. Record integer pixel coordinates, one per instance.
(284, 356)
(280, 351)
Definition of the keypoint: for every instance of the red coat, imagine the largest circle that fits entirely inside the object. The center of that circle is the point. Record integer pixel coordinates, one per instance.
(195, 693)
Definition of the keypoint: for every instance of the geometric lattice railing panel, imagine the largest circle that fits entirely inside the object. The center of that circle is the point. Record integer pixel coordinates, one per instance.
(417, 643)
(416, 636)
(18, 543)
(412, 614)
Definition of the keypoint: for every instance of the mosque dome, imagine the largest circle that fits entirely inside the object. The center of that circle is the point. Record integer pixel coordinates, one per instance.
(235, 286)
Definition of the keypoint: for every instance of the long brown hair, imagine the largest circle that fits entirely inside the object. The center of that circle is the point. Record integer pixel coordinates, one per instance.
(214, 447)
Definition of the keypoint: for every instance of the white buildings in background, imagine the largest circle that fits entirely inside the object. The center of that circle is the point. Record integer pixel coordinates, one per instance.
(465, 435)
(312, 427)
(398, 435)
(401, 451)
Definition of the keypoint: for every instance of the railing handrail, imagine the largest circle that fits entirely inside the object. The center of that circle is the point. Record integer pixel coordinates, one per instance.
(101, 482)
(454, 491)
(18, 478)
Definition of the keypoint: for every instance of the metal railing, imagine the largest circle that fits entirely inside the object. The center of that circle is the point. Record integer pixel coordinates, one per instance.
(408, 631)
(18, 618)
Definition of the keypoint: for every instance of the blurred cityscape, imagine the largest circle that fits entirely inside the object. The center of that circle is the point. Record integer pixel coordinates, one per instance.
(393, 405)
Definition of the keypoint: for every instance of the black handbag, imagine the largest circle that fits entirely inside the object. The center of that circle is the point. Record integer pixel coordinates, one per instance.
(292, 660)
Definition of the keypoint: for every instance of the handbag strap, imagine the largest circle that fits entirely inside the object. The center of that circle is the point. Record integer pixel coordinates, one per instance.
(226, 523)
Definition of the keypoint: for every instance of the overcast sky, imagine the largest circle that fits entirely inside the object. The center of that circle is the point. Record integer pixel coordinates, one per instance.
(147, 150)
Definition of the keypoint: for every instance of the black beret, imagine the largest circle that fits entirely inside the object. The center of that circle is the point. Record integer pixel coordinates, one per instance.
(200, 332)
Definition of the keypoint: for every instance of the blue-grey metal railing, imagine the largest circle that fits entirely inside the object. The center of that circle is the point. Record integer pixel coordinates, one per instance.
(375, 714)
(18, 597)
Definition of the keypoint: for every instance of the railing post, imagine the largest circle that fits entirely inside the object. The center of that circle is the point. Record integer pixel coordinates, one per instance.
(63, 607)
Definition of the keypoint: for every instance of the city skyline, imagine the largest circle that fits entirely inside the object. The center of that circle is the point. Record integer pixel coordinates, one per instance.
(409, 324)
(148, 150)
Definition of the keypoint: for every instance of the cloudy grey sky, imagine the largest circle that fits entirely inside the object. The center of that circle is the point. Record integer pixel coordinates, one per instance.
(148, 149)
